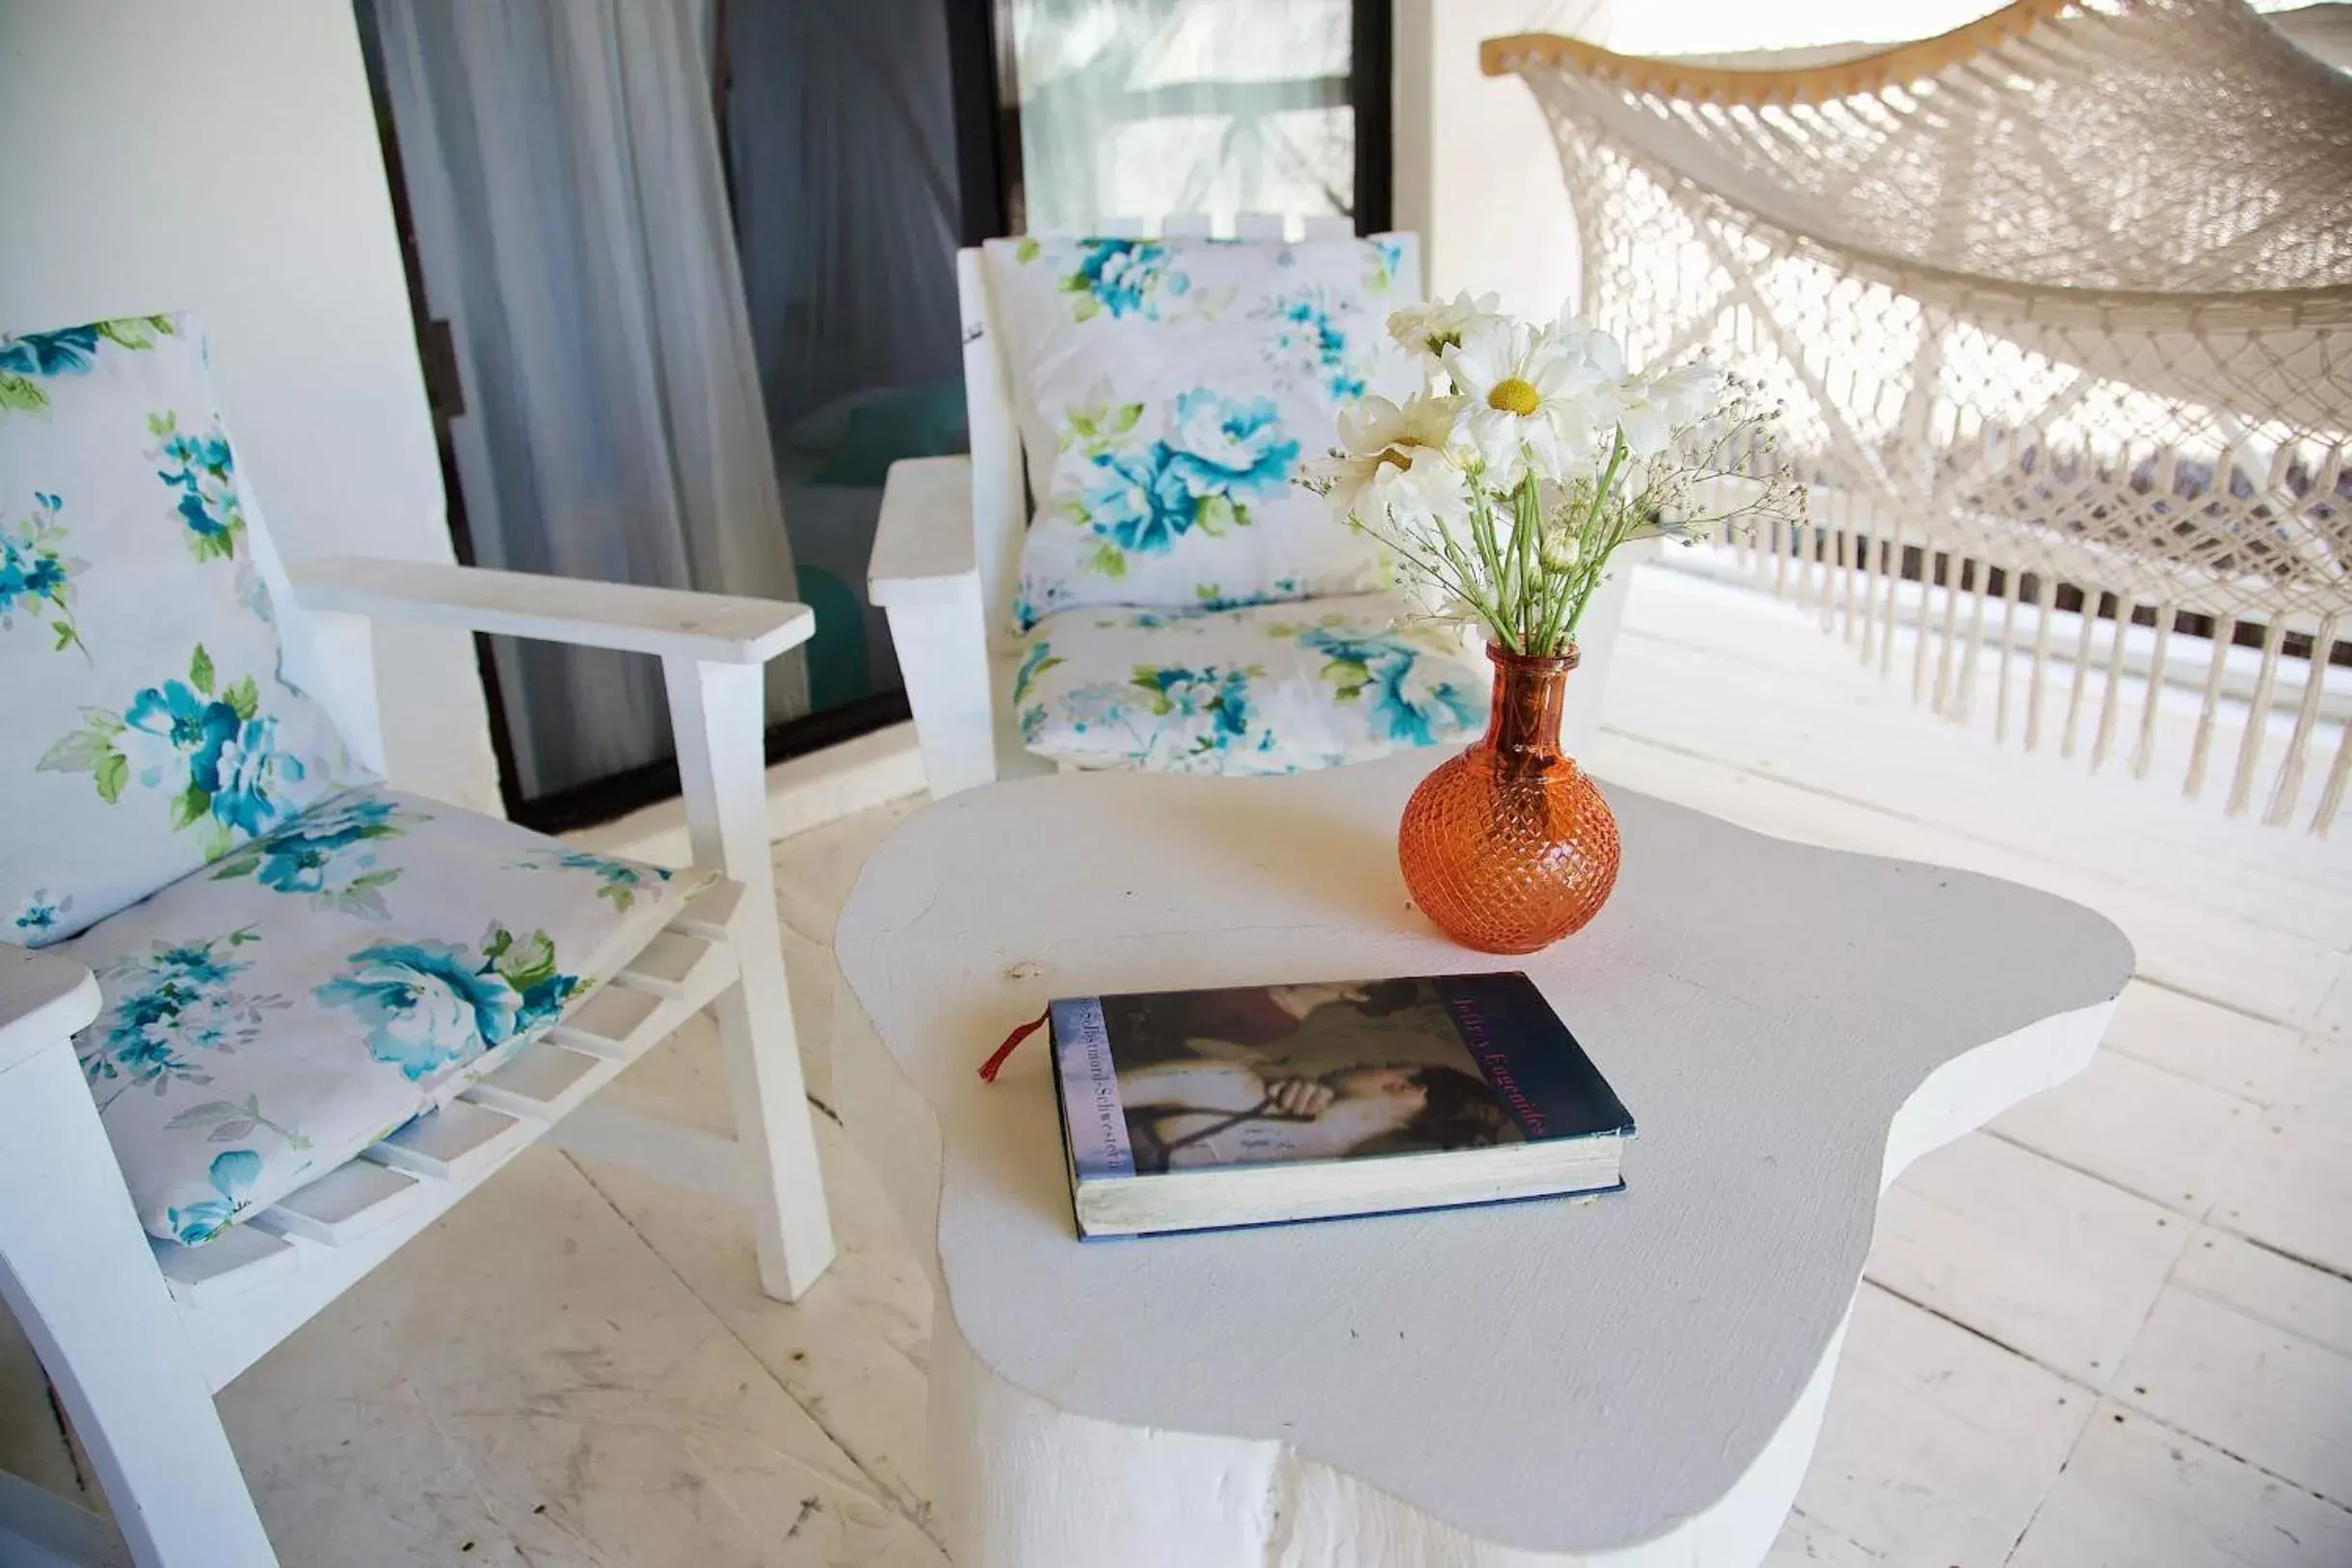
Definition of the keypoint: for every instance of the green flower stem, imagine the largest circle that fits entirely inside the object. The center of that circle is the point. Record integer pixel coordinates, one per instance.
(1569, 609)
(1482, 535)
(1525, 524)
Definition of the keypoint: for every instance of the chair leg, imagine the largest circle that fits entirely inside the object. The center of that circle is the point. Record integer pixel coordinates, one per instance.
(787, 1191)
(718, 712)
(77, 1271)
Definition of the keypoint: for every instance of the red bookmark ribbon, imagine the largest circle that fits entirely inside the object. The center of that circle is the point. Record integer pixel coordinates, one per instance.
(995, 1064)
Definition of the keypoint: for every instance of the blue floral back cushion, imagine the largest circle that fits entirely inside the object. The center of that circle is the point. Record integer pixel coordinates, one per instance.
(150, 725)
(1170, 392)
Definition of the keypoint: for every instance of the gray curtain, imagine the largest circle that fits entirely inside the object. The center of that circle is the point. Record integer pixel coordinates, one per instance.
(841, 144)
(563, 165)
(841, 141)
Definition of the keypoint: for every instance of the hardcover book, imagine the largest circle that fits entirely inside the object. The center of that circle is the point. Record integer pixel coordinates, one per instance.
(1186, 1110)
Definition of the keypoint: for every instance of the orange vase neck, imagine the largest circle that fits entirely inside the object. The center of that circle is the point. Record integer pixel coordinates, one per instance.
(1523, 727)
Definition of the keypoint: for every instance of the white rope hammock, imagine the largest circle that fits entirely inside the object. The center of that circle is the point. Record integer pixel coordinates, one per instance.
(2061, 304)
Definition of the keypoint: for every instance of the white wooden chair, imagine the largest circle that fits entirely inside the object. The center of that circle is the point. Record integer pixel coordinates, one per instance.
(137, 1334)
(946, 554)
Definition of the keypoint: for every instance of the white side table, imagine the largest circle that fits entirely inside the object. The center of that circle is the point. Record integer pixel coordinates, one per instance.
(1633, 1380)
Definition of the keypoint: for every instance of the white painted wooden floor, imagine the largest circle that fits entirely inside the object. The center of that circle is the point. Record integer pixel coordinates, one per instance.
(2114, 1331)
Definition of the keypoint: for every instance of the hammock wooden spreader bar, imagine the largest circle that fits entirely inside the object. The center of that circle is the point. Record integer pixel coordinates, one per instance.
(1872, 73)
(2059, 302)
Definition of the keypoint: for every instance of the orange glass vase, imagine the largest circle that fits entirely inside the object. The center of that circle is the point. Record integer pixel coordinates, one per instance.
(1508, 847)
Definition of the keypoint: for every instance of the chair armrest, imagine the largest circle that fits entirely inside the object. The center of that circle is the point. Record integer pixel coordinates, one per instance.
(715, 628)
(924, 549)
(43, 1001)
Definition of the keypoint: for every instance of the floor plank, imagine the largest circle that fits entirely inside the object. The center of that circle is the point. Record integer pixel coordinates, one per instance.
(1806, 1540)
(2138, 1494)
(1937, 1447)
(833, 1351)
(2057, 1265)
(2270, 1289)
(810, 973)
(851, 1351)
(815, 870)
(596, 1412)
(2267, 1395)
(2334, 1021)
(347, 1465)
(2219, 1046)
(33, 1442)
(688, 1074)
(2293, 1191)
(2141, 1127)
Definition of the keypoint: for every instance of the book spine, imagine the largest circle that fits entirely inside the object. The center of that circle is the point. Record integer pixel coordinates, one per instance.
(1091, 1113)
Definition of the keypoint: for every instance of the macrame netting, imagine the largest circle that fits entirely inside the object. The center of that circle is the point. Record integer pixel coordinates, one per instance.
(2061, 308)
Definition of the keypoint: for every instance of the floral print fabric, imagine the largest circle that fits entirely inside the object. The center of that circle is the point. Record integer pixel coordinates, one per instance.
(1168, 392)
(151, 727)
(1269, 688)
(278, 1010)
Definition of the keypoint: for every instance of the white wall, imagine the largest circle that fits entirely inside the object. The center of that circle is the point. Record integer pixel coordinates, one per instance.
(1476, 172)
(222, 158)
(1729, 26)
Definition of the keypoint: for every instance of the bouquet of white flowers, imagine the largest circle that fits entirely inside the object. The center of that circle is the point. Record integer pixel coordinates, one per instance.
(1531, 454)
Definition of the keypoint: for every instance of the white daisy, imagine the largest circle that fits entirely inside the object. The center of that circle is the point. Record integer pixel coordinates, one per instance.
(1651, 408)
(1393, 459)
(1587, 344)
(1438, 325)
(1430, 496)
(1526, 398)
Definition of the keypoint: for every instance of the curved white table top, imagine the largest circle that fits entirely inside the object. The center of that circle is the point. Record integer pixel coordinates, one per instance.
(1563, 1377)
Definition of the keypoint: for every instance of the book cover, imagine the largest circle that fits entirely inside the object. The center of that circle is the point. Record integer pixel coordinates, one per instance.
(1176, 1082)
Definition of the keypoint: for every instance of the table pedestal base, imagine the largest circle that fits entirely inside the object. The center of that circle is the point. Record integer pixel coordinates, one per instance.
(1017, 1483)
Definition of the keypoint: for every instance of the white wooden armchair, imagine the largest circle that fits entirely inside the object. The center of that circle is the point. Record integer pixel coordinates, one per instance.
(947, 562)
(138, 1332)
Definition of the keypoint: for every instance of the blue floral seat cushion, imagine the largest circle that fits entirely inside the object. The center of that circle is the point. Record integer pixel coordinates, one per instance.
(1268, 688)
(278, 1011)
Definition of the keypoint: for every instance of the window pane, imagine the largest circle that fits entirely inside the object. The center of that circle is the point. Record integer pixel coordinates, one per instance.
(1140, 108)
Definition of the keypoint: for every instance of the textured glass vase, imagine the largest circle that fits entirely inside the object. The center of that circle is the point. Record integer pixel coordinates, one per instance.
(1508, 847)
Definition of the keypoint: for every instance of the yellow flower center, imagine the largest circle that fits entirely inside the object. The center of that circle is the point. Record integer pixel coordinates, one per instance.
(1394, 457)
(1513, 395)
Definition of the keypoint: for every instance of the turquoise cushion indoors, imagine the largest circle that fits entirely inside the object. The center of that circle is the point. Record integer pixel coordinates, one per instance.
(917, 422)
